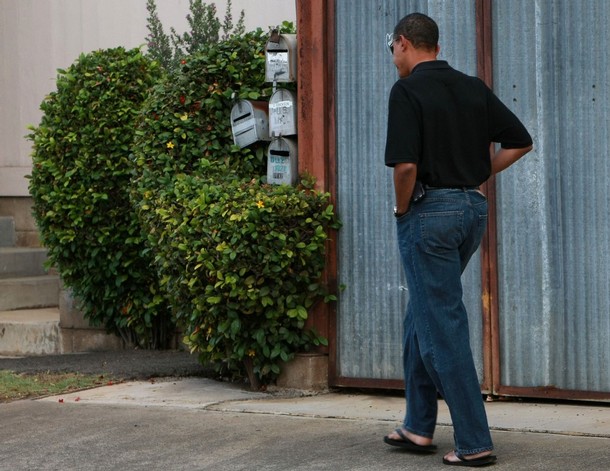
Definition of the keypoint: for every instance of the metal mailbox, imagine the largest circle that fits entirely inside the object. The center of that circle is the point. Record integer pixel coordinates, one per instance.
(250, 122)
(282, 162)
(283, 113)
(281, 58)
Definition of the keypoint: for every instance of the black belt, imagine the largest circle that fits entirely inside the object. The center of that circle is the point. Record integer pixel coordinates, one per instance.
(464, 188)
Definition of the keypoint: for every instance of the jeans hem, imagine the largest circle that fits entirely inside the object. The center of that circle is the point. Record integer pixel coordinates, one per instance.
(474, 451)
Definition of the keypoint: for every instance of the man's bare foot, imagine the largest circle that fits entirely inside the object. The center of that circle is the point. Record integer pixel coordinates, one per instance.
(417, 439)
(409, 441)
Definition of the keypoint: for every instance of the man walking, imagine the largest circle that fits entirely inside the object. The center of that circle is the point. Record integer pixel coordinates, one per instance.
(440, 127)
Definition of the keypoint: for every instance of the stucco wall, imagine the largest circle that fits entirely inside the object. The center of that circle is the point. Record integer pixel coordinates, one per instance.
(39, 36)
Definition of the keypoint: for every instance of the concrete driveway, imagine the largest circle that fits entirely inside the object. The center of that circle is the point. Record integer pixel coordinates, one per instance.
(201, 424)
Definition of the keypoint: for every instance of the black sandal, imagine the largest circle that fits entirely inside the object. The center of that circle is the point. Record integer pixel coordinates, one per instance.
(482, 461)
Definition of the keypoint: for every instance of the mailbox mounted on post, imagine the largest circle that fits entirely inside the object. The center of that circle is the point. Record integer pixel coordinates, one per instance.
(283, 113)
(250, 122)
(281, 58)
(282, 163)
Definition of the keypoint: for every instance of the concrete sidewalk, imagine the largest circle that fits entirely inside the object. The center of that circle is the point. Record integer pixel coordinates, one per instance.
(200, 424)
(201, 393)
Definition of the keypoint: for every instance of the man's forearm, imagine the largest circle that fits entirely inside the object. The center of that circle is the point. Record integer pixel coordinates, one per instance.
(405, 175)
(504, 158)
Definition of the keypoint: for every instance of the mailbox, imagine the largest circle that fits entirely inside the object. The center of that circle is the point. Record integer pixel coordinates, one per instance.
(250, 122)
(283, 113)
(281, 58)
(282, 163)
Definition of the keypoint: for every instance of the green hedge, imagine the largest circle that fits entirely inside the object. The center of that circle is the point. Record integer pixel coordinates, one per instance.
(239, 259)
(80, 188)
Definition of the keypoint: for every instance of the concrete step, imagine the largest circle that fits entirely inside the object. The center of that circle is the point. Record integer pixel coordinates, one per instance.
(7, 231)
(30, 332)
(29, 292)
(41, 332)
(22, 261)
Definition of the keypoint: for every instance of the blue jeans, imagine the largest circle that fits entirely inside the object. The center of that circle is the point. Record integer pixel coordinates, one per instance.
(437, 238)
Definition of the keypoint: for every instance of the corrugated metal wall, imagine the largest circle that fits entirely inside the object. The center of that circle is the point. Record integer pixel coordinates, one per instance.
(551, 61)
(550, 65)
(371, 308)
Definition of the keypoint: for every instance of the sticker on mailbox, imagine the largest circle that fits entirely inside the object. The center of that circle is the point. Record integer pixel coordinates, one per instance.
(277, 64)
(280, 168)
(280, 114)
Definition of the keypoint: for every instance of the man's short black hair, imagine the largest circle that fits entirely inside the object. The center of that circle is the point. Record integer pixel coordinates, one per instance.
(420, 29)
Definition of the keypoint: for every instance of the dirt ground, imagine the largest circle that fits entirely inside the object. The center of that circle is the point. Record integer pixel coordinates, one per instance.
(123, 364)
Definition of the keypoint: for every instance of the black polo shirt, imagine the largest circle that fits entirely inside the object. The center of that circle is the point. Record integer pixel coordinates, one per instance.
(444, 121)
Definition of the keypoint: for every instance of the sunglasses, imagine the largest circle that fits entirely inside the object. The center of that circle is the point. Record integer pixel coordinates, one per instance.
(389, 39)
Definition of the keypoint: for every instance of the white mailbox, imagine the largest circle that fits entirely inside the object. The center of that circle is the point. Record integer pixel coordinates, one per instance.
(283, 113)
(282, 162)
(250, 122)
(281, 58)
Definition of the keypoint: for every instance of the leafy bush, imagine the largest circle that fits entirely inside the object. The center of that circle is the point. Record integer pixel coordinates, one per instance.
(240, 259)
(80, 187)
(205, 29)
(187, 121)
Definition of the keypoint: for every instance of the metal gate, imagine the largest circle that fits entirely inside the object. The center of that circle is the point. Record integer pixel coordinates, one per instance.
(553, 209)
(371, 308)
(550, 331)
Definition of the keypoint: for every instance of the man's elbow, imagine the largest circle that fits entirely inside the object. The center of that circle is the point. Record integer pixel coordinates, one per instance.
(521, 151)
